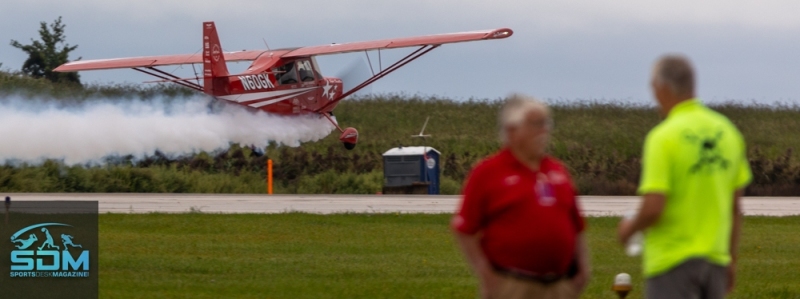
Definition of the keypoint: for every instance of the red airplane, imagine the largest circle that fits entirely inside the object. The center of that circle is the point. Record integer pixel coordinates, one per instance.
(282, 81)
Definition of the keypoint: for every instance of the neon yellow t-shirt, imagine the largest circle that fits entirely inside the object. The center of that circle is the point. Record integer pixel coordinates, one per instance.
(697, 158)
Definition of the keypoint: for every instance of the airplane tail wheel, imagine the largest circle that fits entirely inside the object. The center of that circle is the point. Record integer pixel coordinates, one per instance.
(349, 145)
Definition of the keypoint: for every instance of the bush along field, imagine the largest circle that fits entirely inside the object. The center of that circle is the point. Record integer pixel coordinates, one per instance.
(600, 142)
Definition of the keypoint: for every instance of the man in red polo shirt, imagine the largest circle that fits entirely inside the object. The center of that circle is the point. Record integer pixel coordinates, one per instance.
(519, 225)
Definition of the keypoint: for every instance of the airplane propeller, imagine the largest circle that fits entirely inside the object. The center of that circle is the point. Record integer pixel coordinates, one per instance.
(356, 72)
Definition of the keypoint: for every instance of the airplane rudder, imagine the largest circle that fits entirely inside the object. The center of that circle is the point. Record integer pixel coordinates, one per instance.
(213, 57)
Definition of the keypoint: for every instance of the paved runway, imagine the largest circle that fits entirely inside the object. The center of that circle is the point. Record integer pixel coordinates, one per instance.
(249, 203)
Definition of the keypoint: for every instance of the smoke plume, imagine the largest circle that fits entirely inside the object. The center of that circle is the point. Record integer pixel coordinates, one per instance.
(32, 130)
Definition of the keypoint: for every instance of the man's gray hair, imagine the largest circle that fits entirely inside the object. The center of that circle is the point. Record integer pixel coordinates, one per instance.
(675, 71)
(514, 110)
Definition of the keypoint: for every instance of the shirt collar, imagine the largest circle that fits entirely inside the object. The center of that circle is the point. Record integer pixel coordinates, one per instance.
(685, 106)
(509, 157)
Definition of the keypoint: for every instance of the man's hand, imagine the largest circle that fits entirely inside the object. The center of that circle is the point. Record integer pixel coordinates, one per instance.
(470, 245)
(581, 280)
(625, 231)
(735, 234)
(489, 281)
(649, 213)
(731, 276)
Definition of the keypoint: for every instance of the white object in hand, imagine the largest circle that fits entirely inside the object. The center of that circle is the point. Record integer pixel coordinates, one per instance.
(634, 245)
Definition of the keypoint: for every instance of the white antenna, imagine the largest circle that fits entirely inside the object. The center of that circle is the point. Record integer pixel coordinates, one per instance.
(423, 130)
(424, 147)
(265, 43)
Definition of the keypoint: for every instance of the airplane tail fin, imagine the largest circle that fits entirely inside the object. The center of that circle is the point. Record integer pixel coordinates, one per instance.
(213, 60)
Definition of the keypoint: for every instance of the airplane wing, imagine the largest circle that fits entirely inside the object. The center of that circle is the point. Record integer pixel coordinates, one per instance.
(401, 42)
(151, 61)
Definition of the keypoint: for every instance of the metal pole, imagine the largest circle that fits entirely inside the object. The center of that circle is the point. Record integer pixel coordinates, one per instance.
(8, 205)
(269, 176)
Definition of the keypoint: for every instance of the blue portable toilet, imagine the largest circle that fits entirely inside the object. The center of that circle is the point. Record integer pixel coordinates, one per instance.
(407, 166)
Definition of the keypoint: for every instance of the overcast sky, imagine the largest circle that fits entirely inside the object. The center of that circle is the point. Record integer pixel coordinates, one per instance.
(570, 50)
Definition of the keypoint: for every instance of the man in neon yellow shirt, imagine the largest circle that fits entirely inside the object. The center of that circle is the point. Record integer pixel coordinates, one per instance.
(694, 170)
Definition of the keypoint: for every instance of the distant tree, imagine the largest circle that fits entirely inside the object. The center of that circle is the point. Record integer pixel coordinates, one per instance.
(45, 55)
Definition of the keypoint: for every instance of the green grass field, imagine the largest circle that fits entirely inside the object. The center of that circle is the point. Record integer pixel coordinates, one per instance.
(366, 256)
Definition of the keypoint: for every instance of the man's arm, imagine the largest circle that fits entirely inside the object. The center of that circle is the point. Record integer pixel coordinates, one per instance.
(584, 265)
(470, 246)
(737, 224)
(649, 213)
(736, 231)
(656, 182)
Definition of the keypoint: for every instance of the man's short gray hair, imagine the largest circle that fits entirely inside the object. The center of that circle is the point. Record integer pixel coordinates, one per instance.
(675, 71)
(514, 110)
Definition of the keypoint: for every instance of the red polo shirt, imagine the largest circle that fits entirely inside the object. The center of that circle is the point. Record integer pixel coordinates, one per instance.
(530, 220)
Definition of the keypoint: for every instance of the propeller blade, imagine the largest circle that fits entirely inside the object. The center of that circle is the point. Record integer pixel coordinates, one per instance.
(354, 74)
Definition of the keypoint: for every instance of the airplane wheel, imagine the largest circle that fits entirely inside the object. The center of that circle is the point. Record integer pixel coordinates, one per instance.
(349, 145)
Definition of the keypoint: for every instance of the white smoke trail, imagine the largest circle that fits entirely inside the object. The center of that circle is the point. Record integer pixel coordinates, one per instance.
(34, 130)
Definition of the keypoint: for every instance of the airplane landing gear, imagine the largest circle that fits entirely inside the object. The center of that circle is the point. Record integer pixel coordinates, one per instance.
(349, 135)
(349, 138)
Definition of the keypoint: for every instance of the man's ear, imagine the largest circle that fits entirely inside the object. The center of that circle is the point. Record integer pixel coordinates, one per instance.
(663, 93)
(658, 89)
(510, 131)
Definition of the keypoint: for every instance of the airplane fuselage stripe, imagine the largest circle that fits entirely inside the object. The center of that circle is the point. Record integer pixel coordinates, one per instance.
(239, 98)
(264, 103)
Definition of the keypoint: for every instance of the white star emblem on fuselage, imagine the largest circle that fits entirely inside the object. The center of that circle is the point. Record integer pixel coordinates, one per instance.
(333, 93)
(326, 89)
(329, 90)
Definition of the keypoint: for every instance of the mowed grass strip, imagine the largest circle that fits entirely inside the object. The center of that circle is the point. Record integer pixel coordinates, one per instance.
(297, 255)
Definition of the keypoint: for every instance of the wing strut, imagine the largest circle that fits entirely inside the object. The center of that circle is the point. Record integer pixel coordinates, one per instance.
(400, 63)
(169, 77)
(332, 122)
(370, 63)
(191, 85)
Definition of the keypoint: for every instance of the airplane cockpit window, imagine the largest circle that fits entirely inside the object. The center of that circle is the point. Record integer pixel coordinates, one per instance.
(286, 74)
(306, 71)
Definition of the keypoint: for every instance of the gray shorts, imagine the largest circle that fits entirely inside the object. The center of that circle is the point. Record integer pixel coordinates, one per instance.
(693, 279)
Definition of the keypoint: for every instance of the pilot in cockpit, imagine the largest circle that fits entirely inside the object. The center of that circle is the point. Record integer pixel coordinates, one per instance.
(305, 71)
(285, 74)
